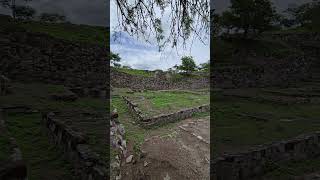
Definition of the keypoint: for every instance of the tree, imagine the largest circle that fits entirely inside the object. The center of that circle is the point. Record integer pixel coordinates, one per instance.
(52, 18)
(205, 67)
(188, 65)
(24, 12)
(12, 5)
(115, 59)
(306, 15)
(250, 16)
(141, 18)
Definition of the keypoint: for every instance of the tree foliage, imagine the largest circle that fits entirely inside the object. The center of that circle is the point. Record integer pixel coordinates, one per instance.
(205, 67)
(115, 59)
(144, 18)
(188, 65)
(248, 16)
(24, 12)
(12, 5)
(52, 18)
(306, 15)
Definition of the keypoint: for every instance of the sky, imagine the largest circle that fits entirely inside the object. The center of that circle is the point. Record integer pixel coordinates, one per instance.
(141, 55)
(90, 12)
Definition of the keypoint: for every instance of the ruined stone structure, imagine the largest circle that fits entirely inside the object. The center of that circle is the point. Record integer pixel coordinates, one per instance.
(36, 57)
(124, 80)
(269, 72)
(88, 164)
(255, 162)
(163, 118)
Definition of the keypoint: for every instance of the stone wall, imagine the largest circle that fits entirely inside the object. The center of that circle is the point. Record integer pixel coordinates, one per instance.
(283, 73)
(256, 162)
(35, 57)
(308, 42)
(86, 162)
(14, 168)
(163, 118)
(124, 80)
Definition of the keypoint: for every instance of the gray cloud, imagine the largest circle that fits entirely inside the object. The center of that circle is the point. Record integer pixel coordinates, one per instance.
(91, 12)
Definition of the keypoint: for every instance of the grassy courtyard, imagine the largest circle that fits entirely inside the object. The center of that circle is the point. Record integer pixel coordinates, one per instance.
(161, 99)
(253, 117)
(162, 102)
(85, 115)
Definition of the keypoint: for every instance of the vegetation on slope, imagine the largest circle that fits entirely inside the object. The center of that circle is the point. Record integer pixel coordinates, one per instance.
(66, 31)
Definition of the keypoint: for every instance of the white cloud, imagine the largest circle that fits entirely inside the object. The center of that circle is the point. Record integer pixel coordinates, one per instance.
(149, 58)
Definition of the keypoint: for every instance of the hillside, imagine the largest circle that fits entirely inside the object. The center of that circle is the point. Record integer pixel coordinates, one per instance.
(66, 31)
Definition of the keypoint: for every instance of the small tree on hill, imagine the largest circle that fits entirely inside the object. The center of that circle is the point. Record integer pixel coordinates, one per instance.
(52, 18)
(306, 15)
(115, 59)
(249, 16)
(205, 67)
(12, 5)
(188, 65)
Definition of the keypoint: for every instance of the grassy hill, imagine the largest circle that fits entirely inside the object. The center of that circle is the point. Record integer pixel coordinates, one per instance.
(67, 31)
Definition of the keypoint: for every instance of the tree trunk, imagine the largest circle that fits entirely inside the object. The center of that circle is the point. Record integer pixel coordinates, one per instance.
(13, 8)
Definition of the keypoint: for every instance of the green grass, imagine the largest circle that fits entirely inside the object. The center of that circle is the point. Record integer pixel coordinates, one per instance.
(5, 146)
(136, 72)
(37, 96)
(43, 160)
(263, 46)
(66, 31)
(134, 132)
(233, 132)
(158, 102)
(288, 170)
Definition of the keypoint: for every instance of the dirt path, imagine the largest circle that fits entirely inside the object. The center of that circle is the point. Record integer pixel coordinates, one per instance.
(183, 153)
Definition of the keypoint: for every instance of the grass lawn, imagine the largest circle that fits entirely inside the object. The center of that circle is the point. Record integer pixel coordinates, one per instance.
(136, 72)
(43, 159)
(235, 130)
(288, 170)
(85, 114)
(67, 31)
(162, 102)
(5, 145)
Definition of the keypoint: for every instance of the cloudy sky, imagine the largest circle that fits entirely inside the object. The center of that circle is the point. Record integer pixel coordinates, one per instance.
(141, 55)
(91, 12)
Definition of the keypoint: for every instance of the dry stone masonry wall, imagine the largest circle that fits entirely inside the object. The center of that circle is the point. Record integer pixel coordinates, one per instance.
(256, 162)
(124, 80)
(163, 118)
(87, 163)
(36, 57)
(283, 72)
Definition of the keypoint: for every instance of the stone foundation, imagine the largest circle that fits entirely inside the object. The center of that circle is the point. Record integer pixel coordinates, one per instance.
(163, 118)
(124, 80)
(256, 162)
(88, 165)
